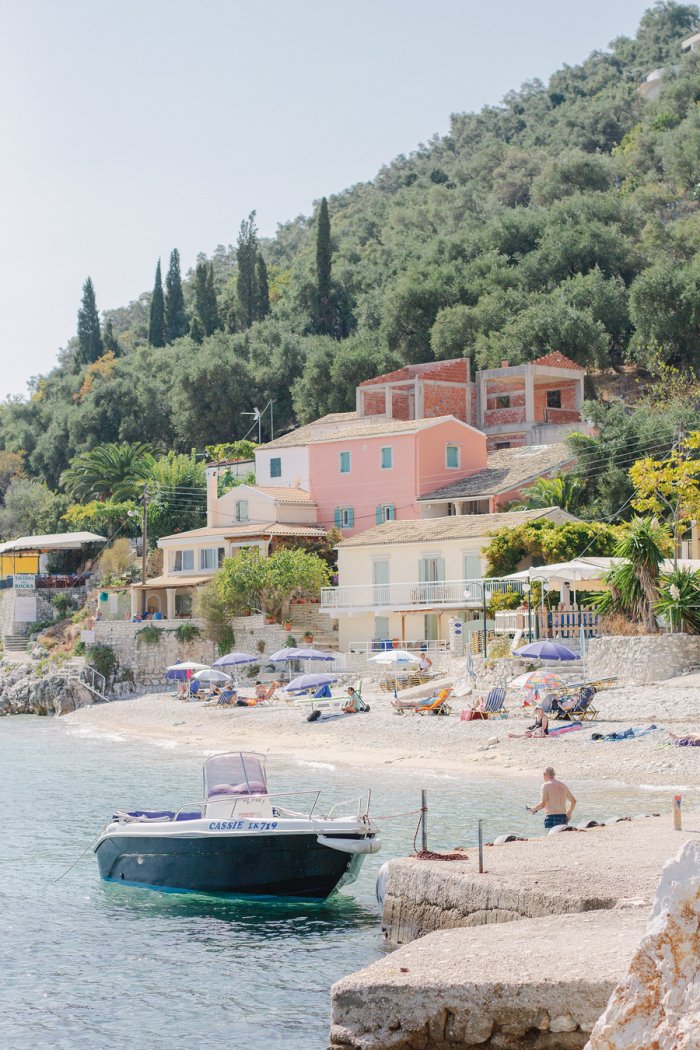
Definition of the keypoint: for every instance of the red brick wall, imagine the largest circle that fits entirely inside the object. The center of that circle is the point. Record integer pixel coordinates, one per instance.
(374, 402)
(516, 441)
(475, 421)
(455, 371)
(503, 416)
(401, 400)
(562, 415)
(568, 397)
(439, 399)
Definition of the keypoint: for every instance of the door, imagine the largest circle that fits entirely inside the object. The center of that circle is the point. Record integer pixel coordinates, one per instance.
(380, 572)
(472, 571)
(431, 574)
(431, 627)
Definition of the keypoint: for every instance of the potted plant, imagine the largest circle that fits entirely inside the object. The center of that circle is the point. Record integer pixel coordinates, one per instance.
(308, 636)
(269, 620)
(287, 624)
(246, 612)
(302, 601)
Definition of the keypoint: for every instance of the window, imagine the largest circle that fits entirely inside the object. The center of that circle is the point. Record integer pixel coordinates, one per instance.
(344, 517)
(184, 561)
(209, 558)
(381, 627)
(430, 632)
(452, 456)
(501, 445)
(431, 570)
(385, 512)
(344, 462)
(554, 399)
(276, 467)
(183, 604)
(386, 458)
(242, 510)
(472, 567)
(503, 401)
(222, 556)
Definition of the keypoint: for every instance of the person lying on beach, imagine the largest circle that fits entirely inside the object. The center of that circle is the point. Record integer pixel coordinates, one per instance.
(540, 726)
(353, 704)
(214, 691)
(415, 705)
(263, 694)
(690, 740)
(553, 801)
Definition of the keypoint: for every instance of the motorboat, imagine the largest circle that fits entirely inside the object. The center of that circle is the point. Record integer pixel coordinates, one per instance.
(241, 839)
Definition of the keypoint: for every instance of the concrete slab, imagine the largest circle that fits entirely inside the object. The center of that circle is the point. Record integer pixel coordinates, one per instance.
(567, 872)
(540, 983)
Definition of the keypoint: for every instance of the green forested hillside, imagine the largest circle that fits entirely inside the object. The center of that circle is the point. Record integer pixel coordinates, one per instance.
(565, 218)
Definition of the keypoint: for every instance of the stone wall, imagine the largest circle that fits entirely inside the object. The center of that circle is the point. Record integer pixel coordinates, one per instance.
(641, 659)
(148, 663)
(8, 624)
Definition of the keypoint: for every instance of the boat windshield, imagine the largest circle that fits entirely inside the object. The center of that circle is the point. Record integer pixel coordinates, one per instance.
(235, 773)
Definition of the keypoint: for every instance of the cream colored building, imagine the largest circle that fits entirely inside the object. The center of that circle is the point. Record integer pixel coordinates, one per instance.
(404, 579)
(247, 516)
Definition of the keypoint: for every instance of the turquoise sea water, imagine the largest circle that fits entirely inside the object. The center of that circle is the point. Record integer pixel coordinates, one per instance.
(86, 965)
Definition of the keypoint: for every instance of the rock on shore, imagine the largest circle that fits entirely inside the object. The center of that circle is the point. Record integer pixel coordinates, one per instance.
(53, 695)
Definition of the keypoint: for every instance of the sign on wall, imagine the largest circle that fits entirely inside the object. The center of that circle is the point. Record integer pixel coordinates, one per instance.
(24, 581)
(25, 609)
(87, 636)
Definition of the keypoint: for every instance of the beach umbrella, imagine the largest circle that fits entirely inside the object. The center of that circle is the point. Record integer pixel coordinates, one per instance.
(309, 681)
(394, 656)
(315, 654)
(234, 659)
(214, 676)
(189, 665)
(540, 679)
(283, 655)
(547, 650)
(176, 671)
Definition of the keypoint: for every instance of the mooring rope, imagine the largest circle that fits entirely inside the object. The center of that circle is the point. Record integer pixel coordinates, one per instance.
(78, 860)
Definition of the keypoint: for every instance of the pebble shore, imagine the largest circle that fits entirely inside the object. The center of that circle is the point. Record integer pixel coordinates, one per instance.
(381, 737)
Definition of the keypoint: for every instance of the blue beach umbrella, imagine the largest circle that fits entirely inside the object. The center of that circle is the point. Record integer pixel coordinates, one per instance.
(314, 654)
(176, 672)
(547, 650)
(284, 655)
(309, 681)
(235, 658)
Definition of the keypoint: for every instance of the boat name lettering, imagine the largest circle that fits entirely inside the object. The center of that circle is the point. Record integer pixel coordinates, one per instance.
(236, 825)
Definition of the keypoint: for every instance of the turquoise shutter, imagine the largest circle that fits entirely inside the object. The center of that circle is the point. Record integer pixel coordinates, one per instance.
(337, 517)
(440, 569)
(351, 517)
(422, 571)
(379, 515)
(390, 514)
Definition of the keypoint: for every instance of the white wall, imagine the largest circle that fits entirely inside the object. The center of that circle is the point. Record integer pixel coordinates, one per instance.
(295, 464)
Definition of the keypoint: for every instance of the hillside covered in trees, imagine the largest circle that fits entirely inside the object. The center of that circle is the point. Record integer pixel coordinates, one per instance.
(567, 218)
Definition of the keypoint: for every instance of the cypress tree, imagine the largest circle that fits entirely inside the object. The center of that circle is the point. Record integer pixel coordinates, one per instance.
(263, 288)
(90, 345)
(323, 270)
(196, 330)
(109, 339)
(246, 285)
(212, 318)
(176, 323)
(156, 317)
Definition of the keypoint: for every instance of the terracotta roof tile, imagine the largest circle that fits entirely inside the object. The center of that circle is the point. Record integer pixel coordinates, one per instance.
(460, 527)
(283, 493)
(505, 470)
(557, 360)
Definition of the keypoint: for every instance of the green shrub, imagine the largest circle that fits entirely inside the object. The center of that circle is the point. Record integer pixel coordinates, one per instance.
(291, 642)
(102, 658)
(63, 604)
(79, 649)
(126, 675)
(149, 636)
(187, 632)
(253, 671)
(260, 646)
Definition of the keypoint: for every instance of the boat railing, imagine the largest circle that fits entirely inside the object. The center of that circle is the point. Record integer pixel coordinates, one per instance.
(246, 800)
(348, 802)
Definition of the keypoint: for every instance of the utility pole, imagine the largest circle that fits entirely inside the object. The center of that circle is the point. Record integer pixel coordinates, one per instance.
(144, 538)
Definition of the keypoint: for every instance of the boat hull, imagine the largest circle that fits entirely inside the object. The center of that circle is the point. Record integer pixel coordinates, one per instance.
(290, 865)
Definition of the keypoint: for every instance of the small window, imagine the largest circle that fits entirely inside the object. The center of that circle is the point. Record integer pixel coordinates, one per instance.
(183, 604)
(276, 467)
(344, 517)
(386, 458)
(452, 456)
(344, 462)
(242, 510)
(184, 561)
(386, 512)
(554, 399)
(208, 558)
(501, 445)
(222, 556)
(503, 401)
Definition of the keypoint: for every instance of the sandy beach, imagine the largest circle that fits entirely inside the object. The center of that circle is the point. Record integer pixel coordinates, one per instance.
(380, 737)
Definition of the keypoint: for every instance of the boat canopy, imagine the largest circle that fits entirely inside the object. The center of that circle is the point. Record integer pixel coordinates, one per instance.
(235, 773)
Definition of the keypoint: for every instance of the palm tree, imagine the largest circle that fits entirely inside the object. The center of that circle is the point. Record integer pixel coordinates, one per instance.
(112, 471)
(633, 581)
(564, 490)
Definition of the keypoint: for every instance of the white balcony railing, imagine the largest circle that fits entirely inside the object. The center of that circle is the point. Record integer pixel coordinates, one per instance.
(412, 596)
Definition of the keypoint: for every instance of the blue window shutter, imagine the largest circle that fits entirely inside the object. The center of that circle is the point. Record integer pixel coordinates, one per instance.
(351, 517)
(337, 518)
(441, 569)
(422, 570)
(390, 514)
(379, 515)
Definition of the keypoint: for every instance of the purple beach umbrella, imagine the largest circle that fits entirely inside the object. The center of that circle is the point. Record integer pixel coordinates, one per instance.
(547, 650)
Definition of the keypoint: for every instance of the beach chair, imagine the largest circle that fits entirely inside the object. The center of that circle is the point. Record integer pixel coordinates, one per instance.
(582, 711)
(493, 707)
(439, 706)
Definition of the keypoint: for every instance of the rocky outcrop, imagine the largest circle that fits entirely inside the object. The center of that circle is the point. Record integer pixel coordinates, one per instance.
(642, 659)
(657, 1004)
(53, 695)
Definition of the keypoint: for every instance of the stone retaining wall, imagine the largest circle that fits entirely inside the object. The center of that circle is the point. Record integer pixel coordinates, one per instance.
(8, 624)
(642, 659)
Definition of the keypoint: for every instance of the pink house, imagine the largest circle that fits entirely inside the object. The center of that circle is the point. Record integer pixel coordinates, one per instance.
(364, 475)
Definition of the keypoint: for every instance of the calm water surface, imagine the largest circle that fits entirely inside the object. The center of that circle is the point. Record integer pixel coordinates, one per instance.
(87, 965)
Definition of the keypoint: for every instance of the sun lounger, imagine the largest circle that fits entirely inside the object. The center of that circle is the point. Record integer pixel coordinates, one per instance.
(493, 708)
(330, 704)
(436, 705)
(582, 711)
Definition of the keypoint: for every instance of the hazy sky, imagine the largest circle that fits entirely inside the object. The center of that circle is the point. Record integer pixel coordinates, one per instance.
(131, 127)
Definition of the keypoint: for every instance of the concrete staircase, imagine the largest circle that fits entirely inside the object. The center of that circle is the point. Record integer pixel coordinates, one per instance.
(310, 618)
(15, 643)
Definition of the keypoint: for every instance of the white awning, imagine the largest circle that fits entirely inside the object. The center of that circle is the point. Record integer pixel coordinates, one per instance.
(56, 541)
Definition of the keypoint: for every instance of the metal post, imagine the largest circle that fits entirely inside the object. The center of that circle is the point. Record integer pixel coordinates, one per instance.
(144, 532)
(529, 619)
(483, 595)
(481, 850)
(424, 820)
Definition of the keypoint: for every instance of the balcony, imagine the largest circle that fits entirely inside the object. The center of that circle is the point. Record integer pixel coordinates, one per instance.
(411, 597)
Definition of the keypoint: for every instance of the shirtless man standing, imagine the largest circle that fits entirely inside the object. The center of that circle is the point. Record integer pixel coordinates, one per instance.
(555, 796)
